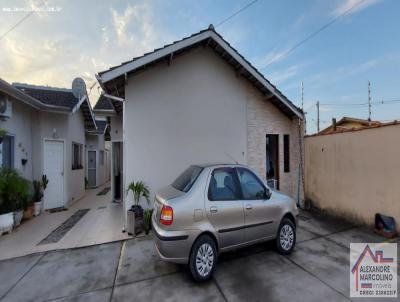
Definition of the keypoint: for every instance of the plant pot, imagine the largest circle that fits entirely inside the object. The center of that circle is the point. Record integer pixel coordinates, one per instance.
(37, 208)
(6, 222)
(18, 217)
(135, 220)
(28, 213)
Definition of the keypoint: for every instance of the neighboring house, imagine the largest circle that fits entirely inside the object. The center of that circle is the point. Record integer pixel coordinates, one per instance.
(348, 124)
(355, 174)
(46, 135)
(198, 100)
(98, 157)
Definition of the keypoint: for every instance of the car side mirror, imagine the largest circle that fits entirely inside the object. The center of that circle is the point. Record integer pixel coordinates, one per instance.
(268, 193)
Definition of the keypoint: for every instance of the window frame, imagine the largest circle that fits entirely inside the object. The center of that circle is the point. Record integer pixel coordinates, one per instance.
(235, 181)
(79, 166)
(12, 151)
(286, 153)
(257, 178)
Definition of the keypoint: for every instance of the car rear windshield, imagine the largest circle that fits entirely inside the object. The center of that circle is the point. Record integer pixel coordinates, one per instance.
(186, 180)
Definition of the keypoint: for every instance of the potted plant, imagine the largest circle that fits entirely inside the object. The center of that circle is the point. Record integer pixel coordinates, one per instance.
(21, 198)
(3, 133)
(139, 190)
(147, 220)
(38, 188)
(37, 197)
(28, 209)
(14, 189)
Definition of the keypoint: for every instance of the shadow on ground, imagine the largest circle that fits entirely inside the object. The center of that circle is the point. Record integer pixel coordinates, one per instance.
(317, 270)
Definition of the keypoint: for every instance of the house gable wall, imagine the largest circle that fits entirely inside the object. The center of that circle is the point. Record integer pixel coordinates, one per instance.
(199, 110)
(187, 113)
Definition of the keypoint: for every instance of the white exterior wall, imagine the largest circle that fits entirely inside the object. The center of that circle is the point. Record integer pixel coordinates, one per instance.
(198, 110)
(30, 127)
(69, 128)
(116, 128)
(20, 126)
(190, 112)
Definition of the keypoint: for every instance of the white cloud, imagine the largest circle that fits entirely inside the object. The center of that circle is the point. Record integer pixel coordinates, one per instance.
(50, 49)
(358, 5)
(281, 76)
(262, 62)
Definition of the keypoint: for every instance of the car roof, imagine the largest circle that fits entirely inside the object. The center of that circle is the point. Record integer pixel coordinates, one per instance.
(208, 165)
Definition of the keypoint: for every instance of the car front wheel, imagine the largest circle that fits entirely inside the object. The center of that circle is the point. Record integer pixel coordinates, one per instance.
(286, 237)
(203, 258)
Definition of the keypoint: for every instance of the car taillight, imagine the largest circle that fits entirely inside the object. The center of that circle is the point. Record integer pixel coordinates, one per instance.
(167, 215)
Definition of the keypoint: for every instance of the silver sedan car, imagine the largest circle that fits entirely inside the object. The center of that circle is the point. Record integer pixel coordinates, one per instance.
(210, 209)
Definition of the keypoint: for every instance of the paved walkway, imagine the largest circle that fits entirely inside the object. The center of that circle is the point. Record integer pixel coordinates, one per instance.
(103, 223)
(318, 270)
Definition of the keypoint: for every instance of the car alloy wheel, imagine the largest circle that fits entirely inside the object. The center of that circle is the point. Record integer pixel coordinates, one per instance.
(204, 260)
(286, 237)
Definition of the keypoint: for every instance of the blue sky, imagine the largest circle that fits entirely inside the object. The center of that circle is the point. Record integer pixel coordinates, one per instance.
(84, 37)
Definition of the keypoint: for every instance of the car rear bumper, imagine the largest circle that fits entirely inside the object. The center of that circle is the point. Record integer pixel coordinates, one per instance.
(173, 246)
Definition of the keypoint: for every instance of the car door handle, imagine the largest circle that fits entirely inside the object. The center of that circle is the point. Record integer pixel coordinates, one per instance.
(213, 209)
(249, 206)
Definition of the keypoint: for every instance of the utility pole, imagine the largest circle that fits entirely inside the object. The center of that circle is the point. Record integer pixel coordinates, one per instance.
(369, 103)
(317, 116)
(302, 107)
(302, 96)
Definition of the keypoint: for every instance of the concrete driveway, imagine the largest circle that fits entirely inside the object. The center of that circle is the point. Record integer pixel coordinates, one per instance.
(318, 270)
(102, 223)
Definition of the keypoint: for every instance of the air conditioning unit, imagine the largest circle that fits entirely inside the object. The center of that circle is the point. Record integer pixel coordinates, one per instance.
(272, 183)
(5, 107)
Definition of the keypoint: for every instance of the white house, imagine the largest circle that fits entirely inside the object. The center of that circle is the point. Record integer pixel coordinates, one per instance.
(46, 135)
(198, 100)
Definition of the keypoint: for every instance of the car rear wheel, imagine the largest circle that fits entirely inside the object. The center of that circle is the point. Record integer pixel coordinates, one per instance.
(203, 258)
(286, 237)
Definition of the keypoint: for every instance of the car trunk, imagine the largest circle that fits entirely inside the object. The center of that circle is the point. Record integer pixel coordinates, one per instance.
(162, 197)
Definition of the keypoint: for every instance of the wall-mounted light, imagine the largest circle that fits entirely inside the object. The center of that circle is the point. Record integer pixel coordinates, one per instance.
(55, 133)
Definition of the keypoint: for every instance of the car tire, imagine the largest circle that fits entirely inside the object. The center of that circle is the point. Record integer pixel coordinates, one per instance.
(203, 258)
(286, 237)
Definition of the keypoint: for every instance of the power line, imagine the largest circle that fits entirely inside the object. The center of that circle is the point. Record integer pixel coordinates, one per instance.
(382, 102)
(236, 13)
(313, 34)
(20, 21)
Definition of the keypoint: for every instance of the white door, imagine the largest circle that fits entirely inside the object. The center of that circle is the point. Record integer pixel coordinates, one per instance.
(54, 170)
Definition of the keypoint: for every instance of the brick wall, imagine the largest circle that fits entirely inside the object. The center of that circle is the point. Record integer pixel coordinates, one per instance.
(265, 118)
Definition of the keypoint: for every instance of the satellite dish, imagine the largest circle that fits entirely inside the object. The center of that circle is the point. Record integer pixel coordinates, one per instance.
(3, 103)
(78, 87)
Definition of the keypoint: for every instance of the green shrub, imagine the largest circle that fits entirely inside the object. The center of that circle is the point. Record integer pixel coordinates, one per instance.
(14, 191)
(139, 189)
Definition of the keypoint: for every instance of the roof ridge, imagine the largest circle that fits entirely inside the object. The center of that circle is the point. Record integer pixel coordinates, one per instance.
(203, 36)
(49, 88)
